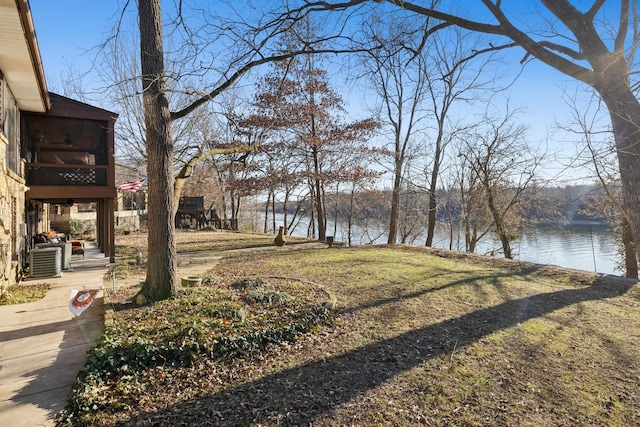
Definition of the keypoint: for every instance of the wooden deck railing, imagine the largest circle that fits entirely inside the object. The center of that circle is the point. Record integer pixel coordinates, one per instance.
(61, 174)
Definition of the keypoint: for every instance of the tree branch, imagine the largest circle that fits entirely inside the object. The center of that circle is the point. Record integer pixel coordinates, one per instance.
(593, 11)
(245, 69)
(507, 29)
(187, 169)
(451, 19)
(475, 53)
(562, 49)
(623, 26)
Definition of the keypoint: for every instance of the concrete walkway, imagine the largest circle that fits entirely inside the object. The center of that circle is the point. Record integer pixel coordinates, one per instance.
(43, 345)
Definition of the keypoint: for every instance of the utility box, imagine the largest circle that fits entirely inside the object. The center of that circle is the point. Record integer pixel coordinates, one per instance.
(65, 247)
(45, 262)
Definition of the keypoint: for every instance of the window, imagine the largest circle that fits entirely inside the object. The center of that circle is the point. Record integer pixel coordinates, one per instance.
(14, 226)
(1, 102)
(11, 116)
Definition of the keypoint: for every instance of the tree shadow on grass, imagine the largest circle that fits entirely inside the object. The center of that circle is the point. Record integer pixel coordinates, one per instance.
(494, 280)
(303, 394)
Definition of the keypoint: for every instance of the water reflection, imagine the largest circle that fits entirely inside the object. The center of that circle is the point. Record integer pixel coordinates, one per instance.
(590, 247)
(584, 247)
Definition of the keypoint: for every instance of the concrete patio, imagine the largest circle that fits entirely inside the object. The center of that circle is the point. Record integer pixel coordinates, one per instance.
(43, 345)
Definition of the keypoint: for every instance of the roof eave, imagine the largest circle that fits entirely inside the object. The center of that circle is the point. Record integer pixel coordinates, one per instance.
(34, 51)
(20, 59)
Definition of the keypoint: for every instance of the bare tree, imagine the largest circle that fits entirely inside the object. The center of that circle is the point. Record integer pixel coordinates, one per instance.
(421, 81)
(474, 216)
(599, 156)
(297, 99)
(399, 79)
(499, 158)
(592, 43)
(411, 221)
(198, 55)
(162, 263)
(457, 72)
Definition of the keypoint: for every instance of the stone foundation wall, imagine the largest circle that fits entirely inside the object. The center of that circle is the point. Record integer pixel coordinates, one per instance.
(127, 220)
(12, 243)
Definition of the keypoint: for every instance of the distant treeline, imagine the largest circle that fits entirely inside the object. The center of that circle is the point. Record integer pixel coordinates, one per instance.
(546, 205)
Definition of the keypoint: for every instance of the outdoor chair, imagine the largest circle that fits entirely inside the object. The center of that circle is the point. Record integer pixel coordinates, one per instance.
(77, 248)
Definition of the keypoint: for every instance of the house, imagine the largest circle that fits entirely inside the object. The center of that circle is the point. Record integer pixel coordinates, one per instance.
(53, 150)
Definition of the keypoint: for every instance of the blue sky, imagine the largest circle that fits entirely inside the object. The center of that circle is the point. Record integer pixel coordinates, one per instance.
(70, 30)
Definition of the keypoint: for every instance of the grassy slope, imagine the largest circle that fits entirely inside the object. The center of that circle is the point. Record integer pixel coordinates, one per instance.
(422, 339)
(456, 341)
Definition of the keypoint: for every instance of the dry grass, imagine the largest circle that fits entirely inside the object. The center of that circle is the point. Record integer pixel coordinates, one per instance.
(458, 341)
(423, 338)
(20, 294)
(127, 246)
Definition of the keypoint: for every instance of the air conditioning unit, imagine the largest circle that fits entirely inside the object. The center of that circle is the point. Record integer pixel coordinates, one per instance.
(45, 262)
(65, 260)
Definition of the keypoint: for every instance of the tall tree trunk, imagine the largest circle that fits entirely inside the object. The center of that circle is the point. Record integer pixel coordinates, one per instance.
(335, 214)
(630, 257)
(236, 214)
(161, 268)
(499, 223)
(311, 229)
(433, 186)
(350, 215)
(322, 219)
(285, 209)
(450, 218)
(624, 110)
(395, 200)
(431, 226)
(273, 212)
(267, 205)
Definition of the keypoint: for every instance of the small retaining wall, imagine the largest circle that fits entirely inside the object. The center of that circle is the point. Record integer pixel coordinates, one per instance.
(128, 220)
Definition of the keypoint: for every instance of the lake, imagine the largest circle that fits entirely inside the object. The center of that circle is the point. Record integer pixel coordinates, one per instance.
(590, 247)
(583, 247)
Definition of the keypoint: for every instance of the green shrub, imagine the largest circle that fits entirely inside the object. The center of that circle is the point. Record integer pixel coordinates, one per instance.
(268, 297)
(210, 280)
(249, 283)
(175, 333)
(76, 227)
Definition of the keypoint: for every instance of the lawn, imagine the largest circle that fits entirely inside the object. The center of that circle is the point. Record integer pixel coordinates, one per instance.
(418, 337)
(127, 246)
(23, 293)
